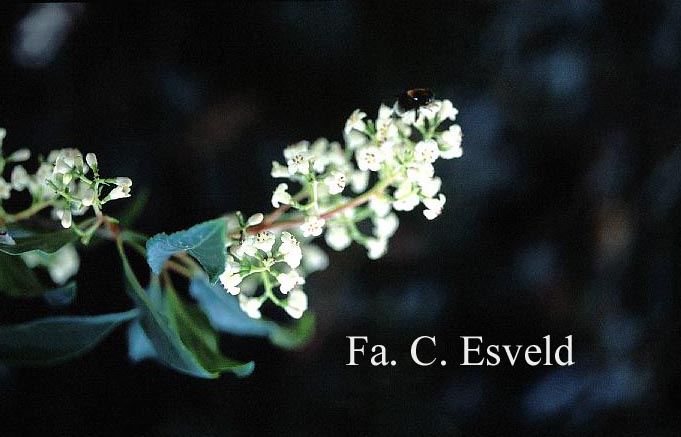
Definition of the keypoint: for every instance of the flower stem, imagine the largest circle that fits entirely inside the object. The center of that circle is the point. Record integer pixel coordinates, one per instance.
(354, 203)
(28, 212)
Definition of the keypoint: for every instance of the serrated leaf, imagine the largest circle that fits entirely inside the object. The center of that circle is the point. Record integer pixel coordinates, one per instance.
(205, 242)
(54, 340)
(46, 243)
(225, 315)
(179, 333)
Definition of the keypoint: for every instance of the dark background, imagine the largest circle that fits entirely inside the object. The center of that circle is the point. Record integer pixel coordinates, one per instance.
(562, 215)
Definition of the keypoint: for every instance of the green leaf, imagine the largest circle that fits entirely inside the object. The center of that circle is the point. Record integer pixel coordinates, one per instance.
(195, 330)
(295, 336)
(54, 340)
(179, 333)
(16, 279)
(43, 242)
(225, 315)
(206, 242)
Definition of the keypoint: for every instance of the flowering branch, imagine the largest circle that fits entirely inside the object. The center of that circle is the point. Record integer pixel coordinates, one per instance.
(258, 259)
(398, 149)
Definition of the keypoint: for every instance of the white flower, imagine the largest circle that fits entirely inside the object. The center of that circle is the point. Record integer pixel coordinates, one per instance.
(61, 166)
(426, 151)
(405, 198)
(380, 205)
(337, 237)
(279, 171)
(409, 117)
(297, 158)
(355, 122)
(290, 248)
(91, 160)
(251, 306)
(384, 112)
(230, 281)
(288, 281)
(5, 189)
(431, 109)
(336, 182)
(255, 219)
(63, 264)
(244, 247)
(20, 155)
(369, 158)
(124, 182)
(336, 155)
(386, 130)
(3, 134)
(448, 111)
(433, 207)
(264, 241)
(450, 140)
(296, 304)
(314, 258)
(385, 227)
(359, 181)
(65, 216)
(325, 153)
(376, 247)
(19, 178)
(421, 171)
(355, 139)
(89, 197)
(79, 164)
(119, 192)
(281, 196)
(313, 226)
(298, 164)
(430, 187)
(67, 178)
(42, 175)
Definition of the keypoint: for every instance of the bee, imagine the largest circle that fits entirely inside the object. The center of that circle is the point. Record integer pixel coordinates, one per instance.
(413, 99)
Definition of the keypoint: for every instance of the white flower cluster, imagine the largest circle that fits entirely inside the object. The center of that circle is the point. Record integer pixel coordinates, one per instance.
(275, 260)
(70, 181)
(67, 180)
(396, 151)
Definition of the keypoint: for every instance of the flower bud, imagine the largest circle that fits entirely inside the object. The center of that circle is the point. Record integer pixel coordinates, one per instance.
(91, 160)
(60, 166)
(296, 304)
(124, 182)
(255, 219)
(120, 192)
(78, 161)
(88, 197)
(20, 155)
(66, 219)
(19, 178)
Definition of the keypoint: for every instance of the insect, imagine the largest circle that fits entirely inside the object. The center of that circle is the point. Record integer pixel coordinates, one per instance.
(413, 99)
